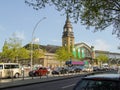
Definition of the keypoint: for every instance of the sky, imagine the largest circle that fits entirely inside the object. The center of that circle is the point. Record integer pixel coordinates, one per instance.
(17, 17)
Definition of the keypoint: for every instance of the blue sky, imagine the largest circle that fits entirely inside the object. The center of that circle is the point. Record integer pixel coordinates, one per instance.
(17, 17)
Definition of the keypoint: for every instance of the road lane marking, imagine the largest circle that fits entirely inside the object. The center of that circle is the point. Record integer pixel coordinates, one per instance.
(68, 86)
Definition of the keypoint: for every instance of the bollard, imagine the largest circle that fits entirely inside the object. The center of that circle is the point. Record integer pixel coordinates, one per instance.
(23, 74)
(40, 75)
(32, 76)
(12, 75)
(0, 76)
(47, 74)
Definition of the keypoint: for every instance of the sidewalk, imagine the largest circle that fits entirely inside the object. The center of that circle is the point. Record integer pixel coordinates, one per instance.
(31, 81)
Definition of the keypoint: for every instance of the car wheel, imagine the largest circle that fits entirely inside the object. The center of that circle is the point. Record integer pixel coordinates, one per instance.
(16, 75)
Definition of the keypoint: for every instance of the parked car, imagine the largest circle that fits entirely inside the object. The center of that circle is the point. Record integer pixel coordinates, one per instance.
(78, 69)
(96, 68)
(40, 71)
(87, 69)
(70, 69)
(99, 82)
(10, 70)
(59, 70)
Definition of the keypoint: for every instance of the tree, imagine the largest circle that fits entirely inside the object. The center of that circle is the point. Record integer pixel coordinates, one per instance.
(7, 52)
(102, 58)
(37, 52)
(96, 13)
(14, 43)
(62, 54)
(0, 55)
(13, 50)
(23, 53)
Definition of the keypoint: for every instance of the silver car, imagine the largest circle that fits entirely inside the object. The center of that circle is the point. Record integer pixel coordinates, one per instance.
(99, 82)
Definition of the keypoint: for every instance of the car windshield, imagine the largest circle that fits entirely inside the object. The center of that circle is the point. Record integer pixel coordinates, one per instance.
(96, 85)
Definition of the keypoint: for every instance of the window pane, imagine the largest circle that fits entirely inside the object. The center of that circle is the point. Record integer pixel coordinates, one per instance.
(1, 66)
(14, 66)
(7, 66)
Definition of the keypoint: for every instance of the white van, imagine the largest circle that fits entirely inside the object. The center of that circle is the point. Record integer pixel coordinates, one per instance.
(105, 66)
(9, 70)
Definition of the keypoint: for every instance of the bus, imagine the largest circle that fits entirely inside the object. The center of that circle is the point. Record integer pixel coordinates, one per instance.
(10, 70)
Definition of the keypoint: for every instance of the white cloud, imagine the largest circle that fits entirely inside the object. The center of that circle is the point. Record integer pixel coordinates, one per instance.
(101, 45)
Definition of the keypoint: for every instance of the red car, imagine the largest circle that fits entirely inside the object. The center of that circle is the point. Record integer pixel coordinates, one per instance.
(41, 71)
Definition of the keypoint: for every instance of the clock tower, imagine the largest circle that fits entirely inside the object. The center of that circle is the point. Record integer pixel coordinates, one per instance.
(68, 36)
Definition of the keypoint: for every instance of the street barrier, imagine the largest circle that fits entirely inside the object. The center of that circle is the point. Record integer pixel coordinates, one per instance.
(0, 76)
(24, 77)
(12, 77)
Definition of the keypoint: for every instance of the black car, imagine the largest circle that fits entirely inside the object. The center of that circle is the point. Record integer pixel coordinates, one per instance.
(78, 68)
(59, 70)
(99, 82)
(96, 68)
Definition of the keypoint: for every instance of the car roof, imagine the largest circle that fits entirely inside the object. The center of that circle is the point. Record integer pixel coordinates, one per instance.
(104, 77)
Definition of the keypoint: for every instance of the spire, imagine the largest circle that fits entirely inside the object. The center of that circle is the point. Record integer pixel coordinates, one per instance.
(67, 23)
(67, 17)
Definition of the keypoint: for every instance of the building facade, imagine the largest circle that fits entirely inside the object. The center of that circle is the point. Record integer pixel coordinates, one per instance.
(114, 58)
(83, 51)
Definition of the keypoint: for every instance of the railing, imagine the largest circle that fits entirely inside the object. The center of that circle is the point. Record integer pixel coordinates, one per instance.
(25, 76)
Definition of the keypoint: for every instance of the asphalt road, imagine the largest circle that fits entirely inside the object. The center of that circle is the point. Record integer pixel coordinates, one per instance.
(66, 84)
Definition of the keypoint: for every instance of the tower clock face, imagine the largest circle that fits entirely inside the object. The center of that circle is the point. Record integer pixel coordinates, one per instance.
(70, 29)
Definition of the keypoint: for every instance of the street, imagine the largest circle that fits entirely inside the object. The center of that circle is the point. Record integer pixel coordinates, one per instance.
(66, 84)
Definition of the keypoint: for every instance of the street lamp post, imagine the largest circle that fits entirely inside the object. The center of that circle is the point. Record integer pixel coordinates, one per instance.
(32, 40)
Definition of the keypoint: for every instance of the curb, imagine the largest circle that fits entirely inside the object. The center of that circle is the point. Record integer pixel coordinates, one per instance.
(20, 83)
